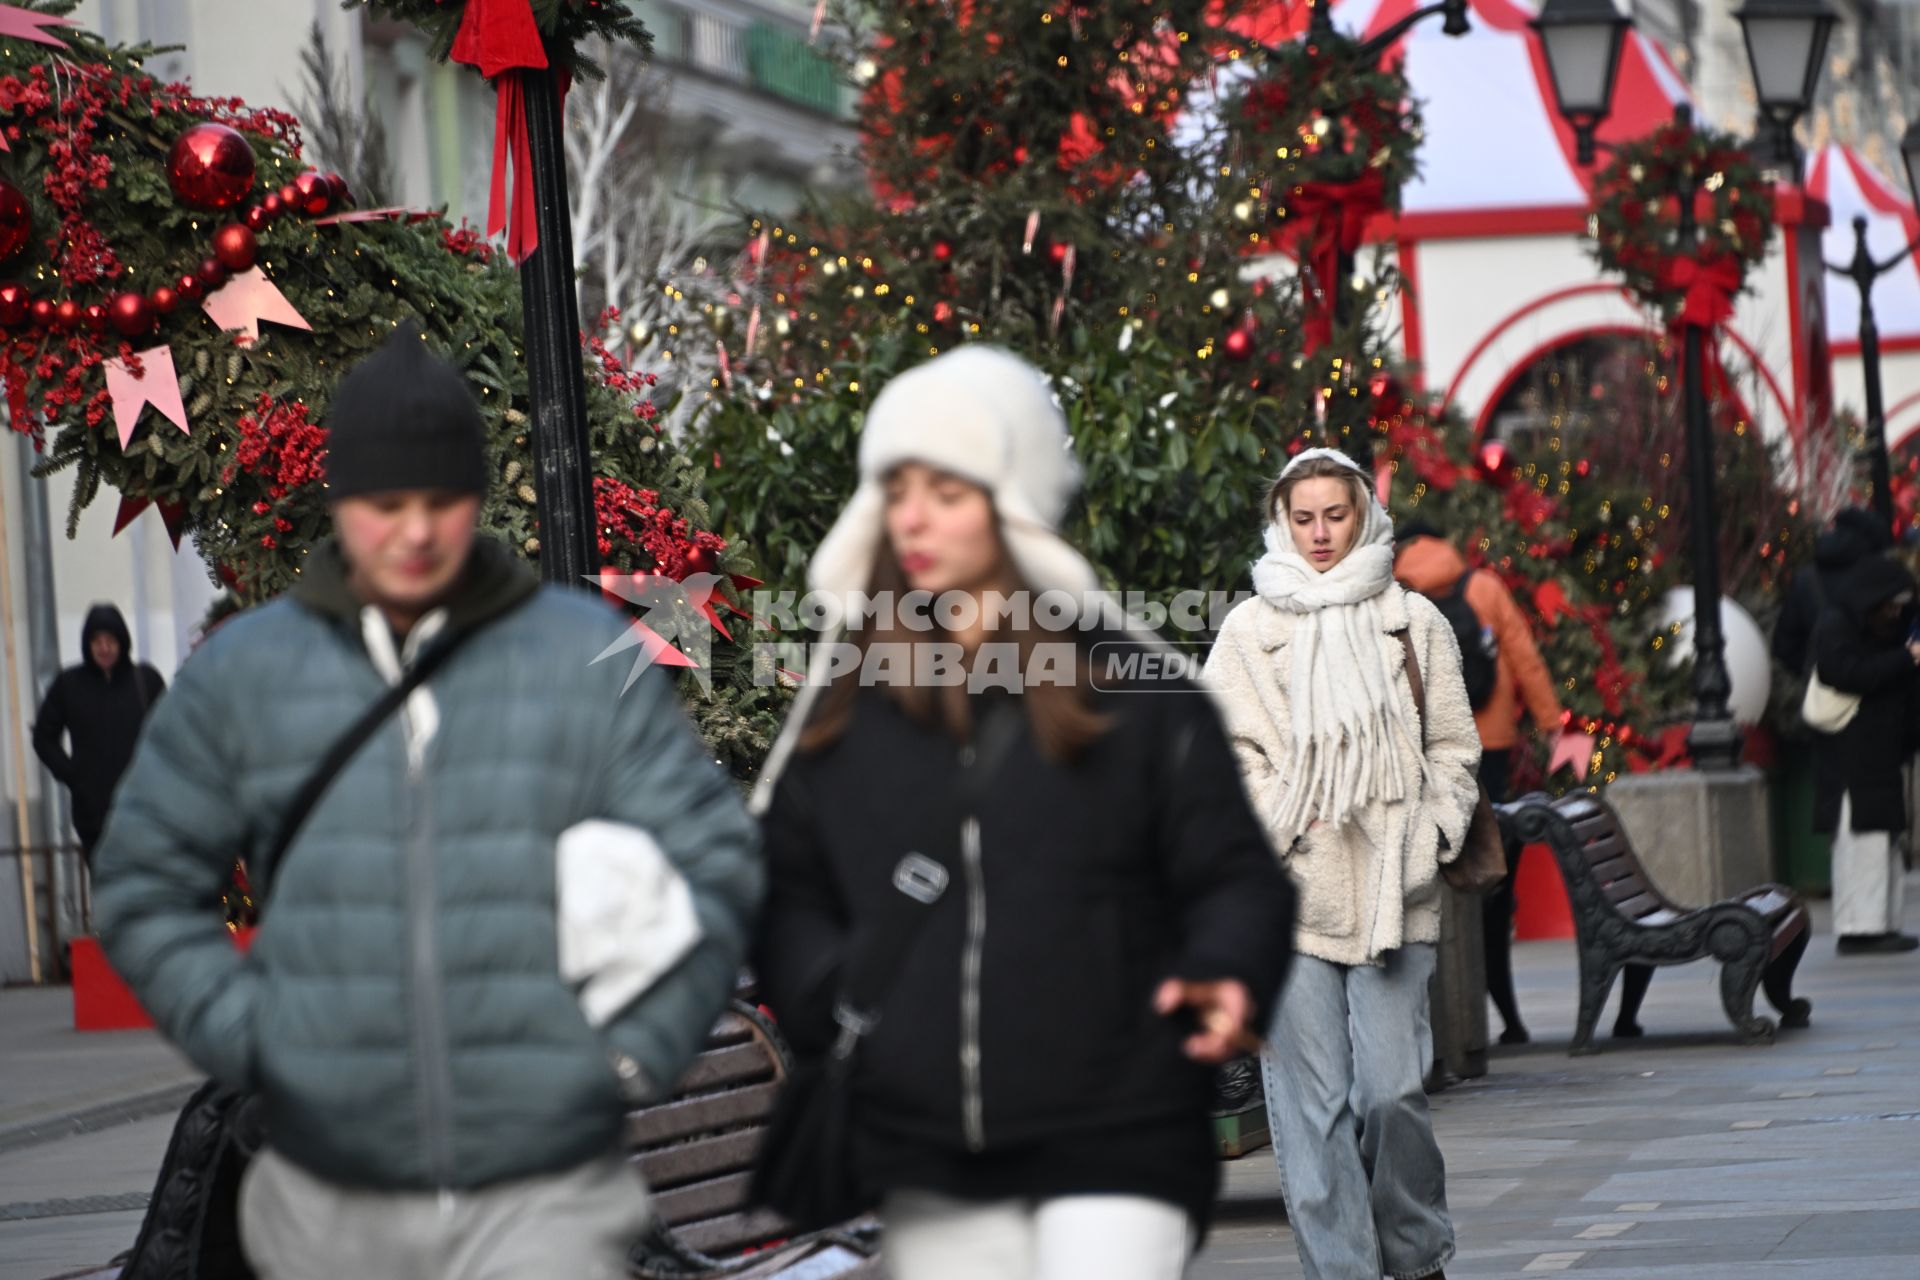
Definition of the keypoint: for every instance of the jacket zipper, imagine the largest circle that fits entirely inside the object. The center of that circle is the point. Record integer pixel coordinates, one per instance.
(429, 1020)
(973, 1107)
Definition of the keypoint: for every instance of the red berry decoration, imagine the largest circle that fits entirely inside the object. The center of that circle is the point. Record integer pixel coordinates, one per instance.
(164, 300)
(67, 314)
(210, 167)
(14, 305)
(1058, 252)
(942, 251)
(257, 219)
(1238, 344)
(190, 288)
(40, 311)
(16, 221)
(234, 247)
(130, 313)
(942, 311)
(313, 193)
(211, 273)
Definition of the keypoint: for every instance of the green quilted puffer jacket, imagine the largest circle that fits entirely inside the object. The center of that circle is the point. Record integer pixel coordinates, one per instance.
(401, 1011)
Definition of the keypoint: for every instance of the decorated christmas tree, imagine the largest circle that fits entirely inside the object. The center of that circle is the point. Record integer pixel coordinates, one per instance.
(181, 292)
(1087, 185)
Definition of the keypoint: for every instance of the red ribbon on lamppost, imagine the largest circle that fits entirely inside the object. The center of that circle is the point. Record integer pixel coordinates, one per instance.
(1707, 286)
(1331, 218)
(500, 39)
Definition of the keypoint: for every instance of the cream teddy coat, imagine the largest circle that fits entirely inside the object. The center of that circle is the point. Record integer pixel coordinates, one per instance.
(1373, 884)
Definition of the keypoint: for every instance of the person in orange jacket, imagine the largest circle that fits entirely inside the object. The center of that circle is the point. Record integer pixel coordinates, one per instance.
(1426, 562)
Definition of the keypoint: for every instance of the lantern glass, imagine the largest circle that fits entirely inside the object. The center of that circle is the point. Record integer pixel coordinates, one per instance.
(1786, 47)
(1581, 39)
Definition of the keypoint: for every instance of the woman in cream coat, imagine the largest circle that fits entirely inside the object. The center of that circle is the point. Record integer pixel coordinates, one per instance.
(1364, 803)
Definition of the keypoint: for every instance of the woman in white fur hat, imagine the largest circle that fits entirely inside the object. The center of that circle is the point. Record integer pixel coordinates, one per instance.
(1365, 800)
(1107, 916)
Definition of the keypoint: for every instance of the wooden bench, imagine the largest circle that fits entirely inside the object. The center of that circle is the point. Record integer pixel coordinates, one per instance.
(1624, 924)
(696, 1152)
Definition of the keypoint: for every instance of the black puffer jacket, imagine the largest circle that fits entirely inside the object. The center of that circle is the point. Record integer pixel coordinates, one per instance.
(1855, 654)
(101, 713)
(1856, 534)
(1022, 1012)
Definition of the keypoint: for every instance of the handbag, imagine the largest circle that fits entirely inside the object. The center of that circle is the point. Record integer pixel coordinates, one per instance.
(1482, 863)
(806, 1170)
(192, 1227)
(1825, 708)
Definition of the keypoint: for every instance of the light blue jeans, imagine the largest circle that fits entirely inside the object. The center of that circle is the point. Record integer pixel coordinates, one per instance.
(1365, 1187)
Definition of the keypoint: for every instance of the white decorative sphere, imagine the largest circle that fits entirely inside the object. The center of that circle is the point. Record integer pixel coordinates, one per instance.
(1747, 664)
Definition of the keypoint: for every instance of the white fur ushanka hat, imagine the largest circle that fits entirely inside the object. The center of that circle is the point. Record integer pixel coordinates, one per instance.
(985, 415)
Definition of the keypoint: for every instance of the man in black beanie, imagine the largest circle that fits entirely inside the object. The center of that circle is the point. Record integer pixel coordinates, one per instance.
(444, 1089)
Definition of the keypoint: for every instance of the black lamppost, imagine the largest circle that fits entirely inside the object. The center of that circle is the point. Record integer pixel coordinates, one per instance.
(1863, 271)
(1581, 39)
(1786, 47)
(556, 381)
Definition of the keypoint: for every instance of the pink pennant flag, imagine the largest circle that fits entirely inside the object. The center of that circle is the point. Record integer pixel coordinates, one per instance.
(24, 24)
(1575, 750)
(246, 300)
(157, 384)
(395, 211)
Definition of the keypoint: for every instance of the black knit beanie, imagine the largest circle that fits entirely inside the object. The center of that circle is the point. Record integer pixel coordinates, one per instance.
(403, 418)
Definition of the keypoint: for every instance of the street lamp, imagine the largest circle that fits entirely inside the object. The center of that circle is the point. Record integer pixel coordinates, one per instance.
(1863, 271)
(1582, 41)
(1714, 740)
(1786, 47)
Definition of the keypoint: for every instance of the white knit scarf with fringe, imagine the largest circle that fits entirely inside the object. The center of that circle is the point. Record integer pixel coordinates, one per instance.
(1347, 724)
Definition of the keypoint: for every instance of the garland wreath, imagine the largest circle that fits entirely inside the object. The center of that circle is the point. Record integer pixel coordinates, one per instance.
(1637, 212)
(1323, 140)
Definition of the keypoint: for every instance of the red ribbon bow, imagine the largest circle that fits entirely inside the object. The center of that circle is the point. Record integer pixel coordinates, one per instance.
(1708, 285)
(500, 38)
(1331, 217)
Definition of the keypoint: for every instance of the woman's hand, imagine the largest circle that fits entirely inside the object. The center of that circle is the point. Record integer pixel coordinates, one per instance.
(1222, 1008)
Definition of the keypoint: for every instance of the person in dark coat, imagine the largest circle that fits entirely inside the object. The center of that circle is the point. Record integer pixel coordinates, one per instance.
(91, 717)
(1855, 534)
(1864, 646)
(1032, 1102)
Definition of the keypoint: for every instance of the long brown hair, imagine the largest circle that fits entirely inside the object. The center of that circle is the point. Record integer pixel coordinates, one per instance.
(1061, 715)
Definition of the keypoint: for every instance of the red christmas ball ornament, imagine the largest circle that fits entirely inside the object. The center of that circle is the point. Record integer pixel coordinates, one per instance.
(94, 317)
(257, 219)
(211, 273)
(1057, 252)
(164, 300)
(312, 194)
(289, 197)
(16, 221)
(337, 185)
(41, 313)
(942, 251)
(942, 311)
(272, 207)
(1495, 462)
(1238, 344)
(66, 314)
(130, 313)
(210, 166)
(234, 247)
(14, 305)
(190, 288)
(700, 559)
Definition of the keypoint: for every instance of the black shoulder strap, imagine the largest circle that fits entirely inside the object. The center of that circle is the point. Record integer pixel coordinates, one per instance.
(349, 743)
(1459, 591)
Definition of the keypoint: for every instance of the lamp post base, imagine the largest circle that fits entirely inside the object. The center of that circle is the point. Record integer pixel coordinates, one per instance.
(1714, 745)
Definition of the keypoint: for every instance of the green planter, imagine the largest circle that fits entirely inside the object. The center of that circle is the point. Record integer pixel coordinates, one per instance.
(1805, 861)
